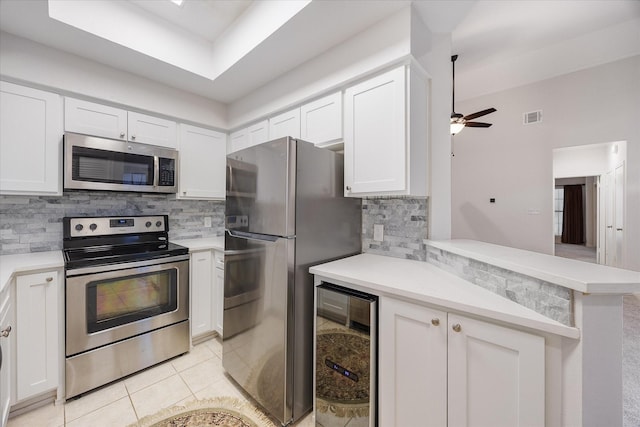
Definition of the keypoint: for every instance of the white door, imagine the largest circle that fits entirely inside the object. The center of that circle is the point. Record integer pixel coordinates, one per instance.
(201, 292)
(37, 333)
(6, 328)
(152, 130)
(219, 300)
(30, 140)
(609, 243)
(412, 365)
(496, 375)
(203, 155)
(618, 221)
(94, 119)
(285, 124)
(375, 135)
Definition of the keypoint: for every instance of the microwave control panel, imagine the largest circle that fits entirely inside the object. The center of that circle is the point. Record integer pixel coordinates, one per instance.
(167, 172)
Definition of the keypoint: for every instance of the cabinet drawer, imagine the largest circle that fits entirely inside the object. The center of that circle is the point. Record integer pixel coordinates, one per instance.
(219, 260)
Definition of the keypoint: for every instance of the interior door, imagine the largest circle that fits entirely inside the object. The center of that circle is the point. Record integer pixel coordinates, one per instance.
(618, 221)
(609, 246)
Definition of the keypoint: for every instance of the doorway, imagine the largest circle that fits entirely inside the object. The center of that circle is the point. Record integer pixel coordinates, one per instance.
(589, 202)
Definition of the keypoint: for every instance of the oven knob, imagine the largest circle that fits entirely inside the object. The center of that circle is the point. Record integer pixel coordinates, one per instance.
(158, 223)
(92, 227)
(79, 227)
(147, 224)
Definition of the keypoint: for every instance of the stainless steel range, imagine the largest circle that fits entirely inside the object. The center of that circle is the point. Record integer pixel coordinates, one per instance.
(127, 298)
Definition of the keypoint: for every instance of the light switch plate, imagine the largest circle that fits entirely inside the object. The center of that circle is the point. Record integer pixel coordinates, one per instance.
(378, 232)
(207, 221)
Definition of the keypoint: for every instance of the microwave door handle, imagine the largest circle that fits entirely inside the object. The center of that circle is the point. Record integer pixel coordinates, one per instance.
(156, 170)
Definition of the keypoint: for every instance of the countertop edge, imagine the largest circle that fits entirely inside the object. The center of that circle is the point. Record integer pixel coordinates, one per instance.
(611, 287)
(547, 326)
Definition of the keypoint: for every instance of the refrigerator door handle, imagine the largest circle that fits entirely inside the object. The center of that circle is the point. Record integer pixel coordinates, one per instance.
(252, 236)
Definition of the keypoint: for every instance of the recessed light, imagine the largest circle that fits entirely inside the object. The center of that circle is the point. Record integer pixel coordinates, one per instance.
(177, 2)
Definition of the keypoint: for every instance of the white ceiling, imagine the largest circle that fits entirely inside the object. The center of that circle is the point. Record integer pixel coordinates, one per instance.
(236, 46)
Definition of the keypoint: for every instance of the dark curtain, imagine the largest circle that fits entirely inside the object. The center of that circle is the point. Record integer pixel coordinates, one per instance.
(573, 215)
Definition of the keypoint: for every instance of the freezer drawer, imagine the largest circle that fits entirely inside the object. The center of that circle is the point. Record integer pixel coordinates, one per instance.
(345, 386)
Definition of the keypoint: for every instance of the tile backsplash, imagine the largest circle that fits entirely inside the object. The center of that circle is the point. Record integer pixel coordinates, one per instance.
(404, 222)
(34, 223)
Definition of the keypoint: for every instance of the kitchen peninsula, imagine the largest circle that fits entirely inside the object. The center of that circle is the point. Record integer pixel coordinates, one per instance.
(453, 349)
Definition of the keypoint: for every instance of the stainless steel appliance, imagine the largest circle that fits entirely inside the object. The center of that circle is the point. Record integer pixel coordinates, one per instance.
(127, 298)
(92, 163)
(285, 212)
(346, 357)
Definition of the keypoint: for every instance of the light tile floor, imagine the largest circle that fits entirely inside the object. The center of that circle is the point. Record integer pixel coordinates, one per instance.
(195, 375)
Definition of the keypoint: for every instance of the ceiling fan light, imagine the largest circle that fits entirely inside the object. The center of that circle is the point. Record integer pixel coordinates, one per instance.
(456, 127)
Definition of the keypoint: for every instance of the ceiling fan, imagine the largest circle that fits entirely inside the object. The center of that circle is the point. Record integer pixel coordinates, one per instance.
(458, 121)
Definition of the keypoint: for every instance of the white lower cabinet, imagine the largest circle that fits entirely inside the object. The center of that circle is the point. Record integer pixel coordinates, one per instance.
(444, 369)
(207, 281)
(201, 278)
(37, 333)
(219, 291)
(6, 365)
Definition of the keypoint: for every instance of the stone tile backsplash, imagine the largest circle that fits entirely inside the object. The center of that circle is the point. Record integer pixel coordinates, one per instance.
(555, 302)
(34, 223)
(405, 227)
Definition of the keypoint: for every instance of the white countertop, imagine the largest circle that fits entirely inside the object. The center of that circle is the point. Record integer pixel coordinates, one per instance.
(577, 275)
(426, 283)
(202, 244)
(11, 265)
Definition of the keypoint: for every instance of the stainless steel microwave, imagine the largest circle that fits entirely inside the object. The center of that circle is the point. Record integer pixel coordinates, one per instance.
(92, 163)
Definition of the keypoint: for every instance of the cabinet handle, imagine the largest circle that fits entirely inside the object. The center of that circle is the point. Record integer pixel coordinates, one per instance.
(618, 229)
(121, 134)
(49, 279)
(435, 322)
(133, 137)
(457, 327)
(609, 226)
(348, 188)
(5, 332)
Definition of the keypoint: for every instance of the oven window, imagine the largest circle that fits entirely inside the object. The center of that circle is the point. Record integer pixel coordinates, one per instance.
(93, 165)
(115, 302)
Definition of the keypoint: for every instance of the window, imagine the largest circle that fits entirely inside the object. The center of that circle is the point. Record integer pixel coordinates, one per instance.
(558, 202)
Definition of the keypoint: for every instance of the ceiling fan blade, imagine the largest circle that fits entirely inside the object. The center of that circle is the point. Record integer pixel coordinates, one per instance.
(480, 114)
(477, 124)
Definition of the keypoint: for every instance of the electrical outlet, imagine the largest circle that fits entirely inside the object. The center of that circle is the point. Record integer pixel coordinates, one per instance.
(378, 232)
(207, 221)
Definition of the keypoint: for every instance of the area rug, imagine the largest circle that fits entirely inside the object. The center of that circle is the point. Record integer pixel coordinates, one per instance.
(342, 395)
(222, 411)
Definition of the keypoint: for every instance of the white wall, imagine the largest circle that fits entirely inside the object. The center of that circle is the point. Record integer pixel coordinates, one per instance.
(27, 62)
(514, 162)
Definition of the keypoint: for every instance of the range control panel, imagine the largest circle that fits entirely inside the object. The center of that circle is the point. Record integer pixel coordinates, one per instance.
(105, 226)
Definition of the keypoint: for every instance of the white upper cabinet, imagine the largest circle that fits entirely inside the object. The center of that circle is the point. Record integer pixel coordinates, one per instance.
(202, 163)
(151, 130)
(285, 124)
(385, 135)
(90, 118)
(30, 141)
(321, 120)
(249, 136)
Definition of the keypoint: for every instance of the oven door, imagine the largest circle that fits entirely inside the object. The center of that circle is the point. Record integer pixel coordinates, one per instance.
(108, 306)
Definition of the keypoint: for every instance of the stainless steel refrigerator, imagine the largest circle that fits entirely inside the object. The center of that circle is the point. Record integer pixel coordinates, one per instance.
(285, 212)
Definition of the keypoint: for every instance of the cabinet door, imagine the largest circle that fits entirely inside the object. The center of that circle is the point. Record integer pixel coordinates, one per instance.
(201, 292)
(219, 300)
(238, 140)
(375, 135)
(321, 120)
(37, 334)
(203, 155)
(413, 365)
(285, 124)
(6, 327)
(152, 130)
(94, 119)
(258, 133)
(30, 140)
(496, 375)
